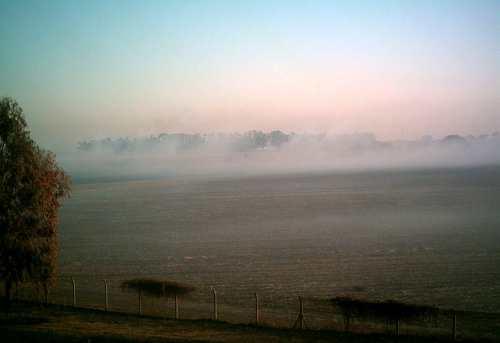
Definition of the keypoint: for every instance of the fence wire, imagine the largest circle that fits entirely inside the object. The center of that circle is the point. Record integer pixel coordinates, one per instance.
(238, 308)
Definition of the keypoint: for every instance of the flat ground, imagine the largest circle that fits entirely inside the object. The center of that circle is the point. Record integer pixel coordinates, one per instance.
(31, 323)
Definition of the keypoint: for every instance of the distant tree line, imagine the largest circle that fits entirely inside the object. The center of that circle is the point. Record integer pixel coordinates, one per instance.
(357, 143)
(181, 141)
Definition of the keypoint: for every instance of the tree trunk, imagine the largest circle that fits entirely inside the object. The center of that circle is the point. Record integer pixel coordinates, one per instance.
(8, 294)
(46, 293)
(347, 320)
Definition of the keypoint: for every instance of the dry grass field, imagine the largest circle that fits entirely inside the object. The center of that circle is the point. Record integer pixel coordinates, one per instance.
(32, 323)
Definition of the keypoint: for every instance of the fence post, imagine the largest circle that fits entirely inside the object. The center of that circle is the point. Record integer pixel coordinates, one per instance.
(46, 293)
(257, 310)
(140, 302)
(74, 291)
(176, 307)
(397, 327)
(300, 323)
(454, 332)
(216, 313)
(106, 305)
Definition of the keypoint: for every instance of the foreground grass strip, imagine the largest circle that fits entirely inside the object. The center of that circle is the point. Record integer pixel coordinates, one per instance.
(58, 324)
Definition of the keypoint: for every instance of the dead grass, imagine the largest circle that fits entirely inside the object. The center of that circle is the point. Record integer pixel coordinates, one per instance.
(65, 324)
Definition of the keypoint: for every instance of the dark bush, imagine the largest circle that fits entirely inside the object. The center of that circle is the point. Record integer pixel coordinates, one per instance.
(156, 288)
(388, 310)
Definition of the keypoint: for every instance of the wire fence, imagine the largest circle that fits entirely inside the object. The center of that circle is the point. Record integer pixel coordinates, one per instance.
(253, 308)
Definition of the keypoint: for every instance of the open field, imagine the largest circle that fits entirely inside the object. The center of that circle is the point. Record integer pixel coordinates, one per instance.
(429, 238)
(426, 237)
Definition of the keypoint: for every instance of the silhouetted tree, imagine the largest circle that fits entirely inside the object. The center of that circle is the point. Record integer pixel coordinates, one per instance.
(278, 138)
(156, 288)
(388, 310)
(31, 186)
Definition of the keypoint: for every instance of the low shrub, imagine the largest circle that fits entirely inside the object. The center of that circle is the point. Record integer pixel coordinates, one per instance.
(156, 288)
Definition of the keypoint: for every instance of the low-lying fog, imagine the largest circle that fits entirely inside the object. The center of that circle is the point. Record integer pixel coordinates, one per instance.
(256, 152)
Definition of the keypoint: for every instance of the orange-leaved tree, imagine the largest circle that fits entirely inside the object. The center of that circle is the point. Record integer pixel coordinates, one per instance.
(31, 188)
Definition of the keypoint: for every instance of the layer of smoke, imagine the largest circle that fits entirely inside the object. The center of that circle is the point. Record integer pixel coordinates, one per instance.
(257, 152)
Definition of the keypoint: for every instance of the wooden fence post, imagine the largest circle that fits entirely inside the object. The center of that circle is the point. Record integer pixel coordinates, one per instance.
(216, 313)
(74, 291)
(397, 327)
(300, 322)
(257, 310)
(176, 307)
(140, 302)
(106, 304)
(46, 293)
(454, 329)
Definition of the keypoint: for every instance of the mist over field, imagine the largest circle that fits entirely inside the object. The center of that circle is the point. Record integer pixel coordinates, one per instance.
(256, 152)
(328, 165)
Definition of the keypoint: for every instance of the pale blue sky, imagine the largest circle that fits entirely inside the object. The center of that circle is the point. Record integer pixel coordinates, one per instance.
(400, 69)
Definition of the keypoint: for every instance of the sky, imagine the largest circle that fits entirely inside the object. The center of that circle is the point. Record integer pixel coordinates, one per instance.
(398, 69)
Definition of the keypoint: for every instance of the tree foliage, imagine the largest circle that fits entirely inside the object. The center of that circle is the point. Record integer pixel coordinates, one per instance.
(31, 187)
(157, 288)
(388, 310)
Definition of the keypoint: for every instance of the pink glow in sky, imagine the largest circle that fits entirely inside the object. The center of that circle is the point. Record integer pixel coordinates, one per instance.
(398, 69)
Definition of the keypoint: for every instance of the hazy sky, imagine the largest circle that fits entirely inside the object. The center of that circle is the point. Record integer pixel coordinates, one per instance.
(84, 69)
